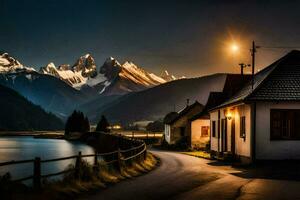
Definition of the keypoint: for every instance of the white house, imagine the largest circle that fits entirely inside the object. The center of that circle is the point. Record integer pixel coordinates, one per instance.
(262, 121)
(200, 123)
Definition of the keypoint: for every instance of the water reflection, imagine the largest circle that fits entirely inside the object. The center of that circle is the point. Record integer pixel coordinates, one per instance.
(23, 148)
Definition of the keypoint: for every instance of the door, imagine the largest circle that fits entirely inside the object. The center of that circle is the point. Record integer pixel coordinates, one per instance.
(182, 131)
(224, 135)
(233, 136)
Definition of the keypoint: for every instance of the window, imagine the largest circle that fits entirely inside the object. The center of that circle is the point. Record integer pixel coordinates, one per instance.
(243, 127)
(213, 128)
(204, 131)
(284, 124)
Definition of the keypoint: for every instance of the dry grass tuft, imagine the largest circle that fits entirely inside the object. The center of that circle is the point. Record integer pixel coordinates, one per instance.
(199, 154)
(89, 181)
(138, 168)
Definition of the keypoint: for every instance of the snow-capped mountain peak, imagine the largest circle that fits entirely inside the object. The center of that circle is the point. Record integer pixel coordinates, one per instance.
(50, 66)
(9, 64)
(127, 77)
(87, 55)
(86, 64)
(139, 75)
(77, 75)
(168, 77)
(112, 62)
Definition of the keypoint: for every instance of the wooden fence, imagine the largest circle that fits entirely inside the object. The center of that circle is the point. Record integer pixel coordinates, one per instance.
(118, 158)
(140, 134)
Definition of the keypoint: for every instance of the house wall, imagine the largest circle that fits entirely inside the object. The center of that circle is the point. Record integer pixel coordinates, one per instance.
(242, 146)
(176, 129)
(273, 149)
(167, 133)
(214, 140)
(197, 139)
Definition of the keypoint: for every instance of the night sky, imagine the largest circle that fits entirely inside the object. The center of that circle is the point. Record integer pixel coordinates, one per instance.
(189, 38)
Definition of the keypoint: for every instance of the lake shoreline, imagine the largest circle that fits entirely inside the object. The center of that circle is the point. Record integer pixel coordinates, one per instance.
(37, 134)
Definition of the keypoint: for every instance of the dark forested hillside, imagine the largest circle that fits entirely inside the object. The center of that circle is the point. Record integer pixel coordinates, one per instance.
(17, 114)
(156, 102)
(47, 91)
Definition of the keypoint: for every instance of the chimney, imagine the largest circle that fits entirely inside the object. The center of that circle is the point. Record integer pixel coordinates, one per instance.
(242, 65)
(187, 102)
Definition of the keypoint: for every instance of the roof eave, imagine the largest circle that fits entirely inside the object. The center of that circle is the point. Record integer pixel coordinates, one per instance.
(236, 103)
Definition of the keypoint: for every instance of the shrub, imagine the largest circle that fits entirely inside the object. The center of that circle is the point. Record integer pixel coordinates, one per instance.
(77, 122)
(156, 126)
(86, 172)
(103, 125)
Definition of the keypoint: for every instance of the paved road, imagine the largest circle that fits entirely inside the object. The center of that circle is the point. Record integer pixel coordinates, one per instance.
(185, 177)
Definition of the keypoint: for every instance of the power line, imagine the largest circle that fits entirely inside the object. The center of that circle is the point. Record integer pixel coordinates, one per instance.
(279, 47)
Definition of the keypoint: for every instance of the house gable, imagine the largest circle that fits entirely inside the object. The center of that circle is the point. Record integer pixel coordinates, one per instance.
(278, 82)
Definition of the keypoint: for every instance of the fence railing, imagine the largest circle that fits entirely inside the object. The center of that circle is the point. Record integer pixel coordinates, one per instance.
(141, 134)
(119, 158)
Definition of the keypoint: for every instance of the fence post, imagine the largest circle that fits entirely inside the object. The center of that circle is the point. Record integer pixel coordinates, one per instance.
(78, 165)
(37, 173)
(119, 163)
(96, 167)
(145, 152)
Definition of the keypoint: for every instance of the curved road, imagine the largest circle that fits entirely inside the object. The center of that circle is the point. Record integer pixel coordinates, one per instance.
(185, 177)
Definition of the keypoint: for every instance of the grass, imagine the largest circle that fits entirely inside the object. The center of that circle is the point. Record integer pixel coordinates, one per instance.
(89, 181)
(199, 154)
(138, 168)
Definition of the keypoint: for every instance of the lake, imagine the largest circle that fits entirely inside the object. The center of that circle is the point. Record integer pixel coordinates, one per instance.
(27, 147)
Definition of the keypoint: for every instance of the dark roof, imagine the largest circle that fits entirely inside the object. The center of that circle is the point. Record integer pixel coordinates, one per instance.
(278, 82)
(214, 99)
(202, 115)
(170, 117)
(183, 112)
(233, 83)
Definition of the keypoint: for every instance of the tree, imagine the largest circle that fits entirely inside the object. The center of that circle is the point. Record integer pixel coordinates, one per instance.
(77, 122)
(156, 126)
(103, 125)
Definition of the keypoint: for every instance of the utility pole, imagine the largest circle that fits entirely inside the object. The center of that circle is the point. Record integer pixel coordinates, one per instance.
(253, 51)
(242, 68)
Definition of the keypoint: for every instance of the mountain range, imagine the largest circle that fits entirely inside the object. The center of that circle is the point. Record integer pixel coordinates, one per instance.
(112, 78)
(122, 92)
(63, 88)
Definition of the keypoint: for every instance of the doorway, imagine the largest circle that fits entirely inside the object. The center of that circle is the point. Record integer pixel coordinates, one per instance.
(233, 136)
(224, 135)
